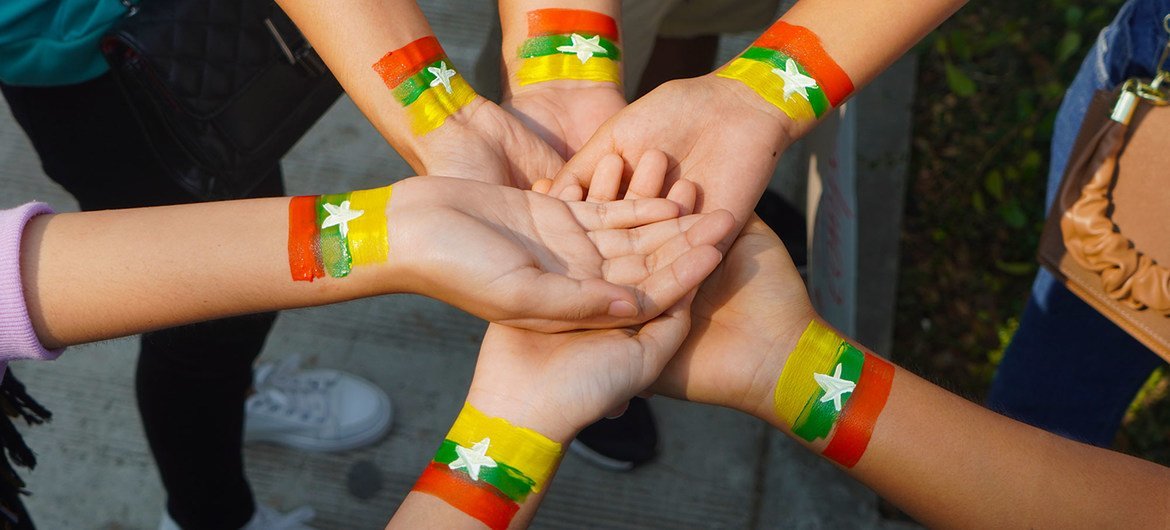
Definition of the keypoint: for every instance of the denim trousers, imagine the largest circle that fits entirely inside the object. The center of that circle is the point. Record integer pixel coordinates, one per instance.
(1068, 369)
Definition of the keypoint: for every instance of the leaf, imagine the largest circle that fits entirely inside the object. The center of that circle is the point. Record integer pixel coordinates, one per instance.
(993, 183)
(1016, 268)
(977, 202)
(1069, 44)
(958, 81)
(1013, 215)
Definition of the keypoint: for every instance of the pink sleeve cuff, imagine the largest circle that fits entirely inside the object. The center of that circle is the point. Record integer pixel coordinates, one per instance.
(18, 340)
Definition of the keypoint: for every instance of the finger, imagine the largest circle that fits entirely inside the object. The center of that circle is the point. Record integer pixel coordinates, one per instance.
(684, 193)
(634, 268)
(533, 294)
(571, 193)
(622, 214)
(617, 411)
(661, 338)
(607, 179)
(673, 281)
(649, 176)
(542, 186)
(617, 242)
(580, 168)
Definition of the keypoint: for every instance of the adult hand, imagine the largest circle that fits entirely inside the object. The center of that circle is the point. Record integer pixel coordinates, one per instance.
(747, 316)
(715, 132)
(483, 142)
(529, 260)
(565, 113)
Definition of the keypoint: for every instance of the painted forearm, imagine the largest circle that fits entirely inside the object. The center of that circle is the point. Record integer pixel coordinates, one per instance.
(944, 460)
(386, 57)
(820, 51)
(98, 275)
(568, 42)
(489, 470)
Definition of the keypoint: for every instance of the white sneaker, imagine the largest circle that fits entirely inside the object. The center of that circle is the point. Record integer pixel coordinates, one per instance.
(315, 410)
(265, 518)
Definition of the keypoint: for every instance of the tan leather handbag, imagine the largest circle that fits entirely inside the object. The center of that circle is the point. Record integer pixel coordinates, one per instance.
(1108, 234)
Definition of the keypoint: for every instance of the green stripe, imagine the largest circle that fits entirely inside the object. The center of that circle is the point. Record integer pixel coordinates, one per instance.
(817, 419)
(334, 250)
(816, 96)
(547, 45)
(507, 479)
(408, 91)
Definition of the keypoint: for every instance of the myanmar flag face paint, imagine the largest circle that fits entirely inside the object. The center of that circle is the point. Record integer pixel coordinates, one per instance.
(788, 67)
(486, 467)
(425, 82)
(331, 234)
(827, 383)
(570, 44)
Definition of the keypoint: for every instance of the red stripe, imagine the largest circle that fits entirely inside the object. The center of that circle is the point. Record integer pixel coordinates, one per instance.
(557, 21)
(804, 46)
(304, 260)
(861, 412)
(477, 499)
(398, 65)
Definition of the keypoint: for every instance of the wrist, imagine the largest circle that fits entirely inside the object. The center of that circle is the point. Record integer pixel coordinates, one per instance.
(760, 399)
(751, 103)
(525, 413)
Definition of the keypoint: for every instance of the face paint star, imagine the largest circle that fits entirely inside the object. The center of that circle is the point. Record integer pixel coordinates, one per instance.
(473, 459)
(442, 75)
(340, 216)
(794, 81)
(834, 386)
(584, 48)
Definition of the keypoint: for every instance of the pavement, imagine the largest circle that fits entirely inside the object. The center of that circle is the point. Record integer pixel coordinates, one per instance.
(717, 468)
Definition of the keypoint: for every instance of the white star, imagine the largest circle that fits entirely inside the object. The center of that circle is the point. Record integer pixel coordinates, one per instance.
(442, 75)
(340, 216)
(584, 48)
(834, 386)
(794, 81)
(473, 458)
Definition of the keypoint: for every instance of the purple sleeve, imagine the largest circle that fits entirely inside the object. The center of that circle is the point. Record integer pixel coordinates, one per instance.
(18, 340)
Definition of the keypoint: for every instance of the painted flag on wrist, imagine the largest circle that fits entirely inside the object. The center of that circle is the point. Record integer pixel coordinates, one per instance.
(330, 234)
(828, 383)
(788, 67)
(486, 467)
(423, 79)
(570, 44)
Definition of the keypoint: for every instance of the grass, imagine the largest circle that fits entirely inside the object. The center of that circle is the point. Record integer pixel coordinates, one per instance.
(990, 82)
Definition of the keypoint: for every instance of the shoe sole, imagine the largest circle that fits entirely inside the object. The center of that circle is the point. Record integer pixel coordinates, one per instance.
(315, 445)
(598, 459)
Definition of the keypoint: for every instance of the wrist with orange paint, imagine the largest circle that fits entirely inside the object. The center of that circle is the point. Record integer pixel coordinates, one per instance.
(561, 47)
(789, 69)
(491, 461)
(827, 392)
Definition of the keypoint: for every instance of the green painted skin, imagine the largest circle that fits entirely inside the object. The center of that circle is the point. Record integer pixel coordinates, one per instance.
(408, 91)
(510, 481)
(817, 418)
(334, 251)
(547, 45)
(816, 96)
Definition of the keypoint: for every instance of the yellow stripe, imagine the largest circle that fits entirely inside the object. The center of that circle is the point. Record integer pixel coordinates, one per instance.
(433, 107)
(815, 352)
(524, 449)
(759, 77)
(367, 239)
(561, 66)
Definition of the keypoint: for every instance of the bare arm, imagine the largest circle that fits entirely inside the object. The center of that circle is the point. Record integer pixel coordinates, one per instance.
(947, 462)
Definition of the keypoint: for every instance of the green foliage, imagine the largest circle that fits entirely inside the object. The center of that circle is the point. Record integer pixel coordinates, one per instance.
(990, 82)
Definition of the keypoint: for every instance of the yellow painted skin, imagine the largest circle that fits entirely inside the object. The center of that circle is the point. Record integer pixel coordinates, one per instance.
(526, 450)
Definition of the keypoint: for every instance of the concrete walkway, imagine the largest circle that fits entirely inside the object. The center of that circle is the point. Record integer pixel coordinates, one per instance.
(717, 469)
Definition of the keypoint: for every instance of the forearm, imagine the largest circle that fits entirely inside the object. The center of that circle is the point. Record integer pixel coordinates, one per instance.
(98, 275)
(950, 463)
(357, 39)
(504, 495)
(538, 45)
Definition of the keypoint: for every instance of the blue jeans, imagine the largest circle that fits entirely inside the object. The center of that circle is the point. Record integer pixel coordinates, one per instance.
(1068, 369)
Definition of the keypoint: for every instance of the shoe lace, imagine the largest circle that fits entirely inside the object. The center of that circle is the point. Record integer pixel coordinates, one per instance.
(282, 389)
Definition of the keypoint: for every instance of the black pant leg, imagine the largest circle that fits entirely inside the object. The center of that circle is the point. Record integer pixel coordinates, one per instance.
(191, 381)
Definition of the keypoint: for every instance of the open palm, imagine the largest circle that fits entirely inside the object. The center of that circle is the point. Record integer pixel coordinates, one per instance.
(565, 113)
(529, 260)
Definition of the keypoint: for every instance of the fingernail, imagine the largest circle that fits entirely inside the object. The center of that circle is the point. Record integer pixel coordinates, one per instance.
(622, 309)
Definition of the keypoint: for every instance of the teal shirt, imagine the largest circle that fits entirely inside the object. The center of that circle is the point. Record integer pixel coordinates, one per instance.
(54, 42)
